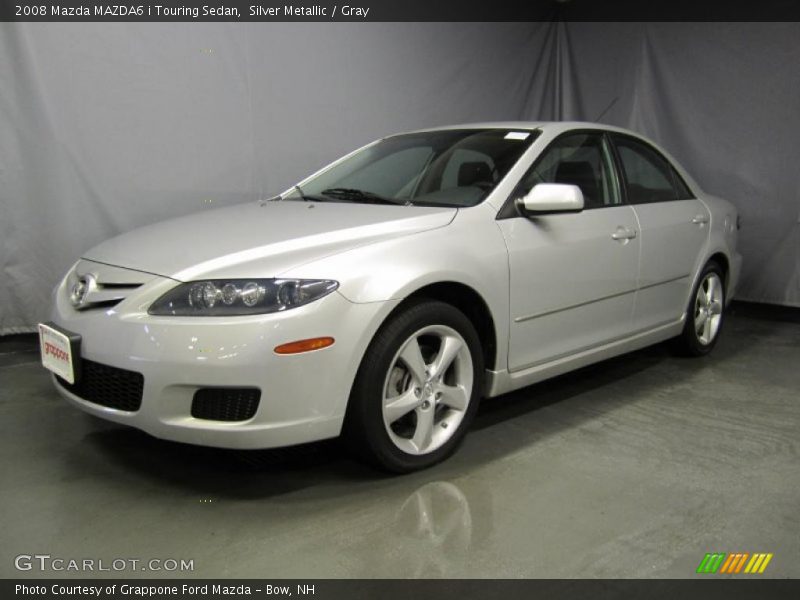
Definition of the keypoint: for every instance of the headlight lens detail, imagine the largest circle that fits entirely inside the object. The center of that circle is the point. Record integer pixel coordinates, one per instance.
(231, 297)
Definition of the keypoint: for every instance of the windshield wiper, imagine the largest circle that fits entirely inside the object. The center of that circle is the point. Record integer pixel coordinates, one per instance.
(362, 196)
(309, 198)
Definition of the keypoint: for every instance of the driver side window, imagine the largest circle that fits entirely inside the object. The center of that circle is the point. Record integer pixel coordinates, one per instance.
(581, 159)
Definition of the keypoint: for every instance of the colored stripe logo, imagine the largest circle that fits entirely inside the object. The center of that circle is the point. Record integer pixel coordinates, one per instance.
(734, 563)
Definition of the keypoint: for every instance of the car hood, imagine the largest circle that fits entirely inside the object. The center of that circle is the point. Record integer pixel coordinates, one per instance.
(261, 239)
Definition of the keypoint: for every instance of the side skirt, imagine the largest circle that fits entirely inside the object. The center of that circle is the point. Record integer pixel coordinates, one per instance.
(502, 382)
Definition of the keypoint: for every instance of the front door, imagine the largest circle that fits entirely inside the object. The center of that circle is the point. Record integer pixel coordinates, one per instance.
(572, 276)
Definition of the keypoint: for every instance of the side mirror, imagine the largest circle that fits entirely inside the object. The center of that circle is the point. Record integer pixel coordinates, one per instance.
(551, 198)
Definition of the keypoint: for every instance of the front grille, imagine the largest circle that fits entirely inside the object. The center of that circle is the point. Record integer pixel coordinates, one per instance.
(107, 386)
(225, 404)
(104, 285)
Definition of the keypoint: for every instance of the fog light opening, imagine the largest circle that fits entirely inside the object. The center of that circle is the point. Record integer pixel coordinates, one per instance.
(304, 345)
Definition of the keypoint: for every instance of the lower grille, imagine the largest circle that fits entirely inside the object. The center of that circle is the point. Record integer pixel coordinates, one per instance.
(225, 404)
(107, 386)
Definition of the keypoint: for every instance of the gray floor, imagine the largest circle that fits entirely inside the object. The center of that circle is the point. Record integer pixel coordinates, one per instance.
(635, 467)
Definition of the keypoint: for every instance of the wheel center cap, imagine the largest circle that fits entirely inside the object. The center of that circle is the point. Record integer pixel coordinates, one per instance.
(428, 389)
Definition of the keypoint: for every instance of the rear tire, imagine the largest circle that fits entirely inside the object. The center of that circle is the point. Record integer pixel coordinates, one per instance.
(417, 389)
(704, 315)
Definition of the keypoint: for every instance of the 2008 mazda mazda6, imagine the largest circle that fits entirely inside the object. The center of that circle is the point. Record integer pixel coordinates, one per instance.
(382, 297)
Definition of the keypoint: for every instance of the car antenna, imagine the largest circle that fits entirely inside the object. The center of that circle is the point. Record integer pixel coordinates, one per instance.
(602, 114)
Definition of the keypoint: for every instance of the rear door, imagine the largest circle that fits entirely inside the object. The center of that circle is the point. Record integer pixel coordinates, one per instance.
(674, 229)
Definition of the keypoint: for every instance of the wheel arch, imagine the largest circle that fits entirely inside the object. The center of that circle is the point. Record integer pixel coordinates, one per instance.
(471, 303)
(721, 259)
(713, 254)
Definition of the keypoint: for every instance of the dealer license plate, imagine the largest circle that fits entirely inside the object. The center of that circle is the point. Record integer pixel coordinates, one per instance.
(60, 351)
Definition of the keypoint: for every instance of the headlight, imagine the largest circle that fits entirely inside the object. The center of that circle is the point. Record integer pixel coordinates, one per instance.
(240, 296)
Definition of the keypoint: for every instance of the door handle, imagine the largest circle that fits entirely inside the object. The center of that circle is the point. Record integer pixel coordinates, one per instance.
(700, 220)
(623, 234)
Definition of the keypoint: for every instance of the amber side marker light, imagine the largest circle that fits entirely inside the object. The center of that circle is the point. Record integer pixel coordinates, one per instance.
(304, 345)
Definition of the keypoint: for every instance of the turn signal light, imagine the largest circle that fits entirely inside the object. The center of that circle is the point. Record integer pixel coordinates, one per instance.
(304, 345)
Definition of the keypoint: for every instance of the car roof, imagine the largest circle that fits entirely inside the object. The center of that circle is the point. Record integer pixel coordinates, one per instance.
(553, 126)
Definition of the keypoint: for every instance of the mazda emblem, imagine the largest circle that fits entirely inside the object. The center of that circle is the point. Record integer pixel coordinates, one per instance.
(80, 290)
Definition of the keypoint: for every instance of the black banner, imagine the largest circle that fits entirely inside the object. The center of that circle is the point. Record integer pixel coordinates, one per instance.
(381, 589)
(400, 10)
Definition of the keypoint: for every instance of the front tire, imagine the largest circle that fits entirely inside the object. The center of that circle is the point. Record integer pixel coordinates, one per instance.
(417, 389)
(705, 313)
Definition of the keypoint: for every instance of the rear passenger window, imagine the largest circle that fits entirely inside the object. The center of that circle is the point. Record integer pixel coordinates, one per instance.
(648, 175)
(684, 193)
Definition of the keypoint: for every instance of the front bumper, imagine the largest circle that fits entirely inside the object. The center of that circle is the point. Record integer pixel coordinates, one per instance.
(303, 396)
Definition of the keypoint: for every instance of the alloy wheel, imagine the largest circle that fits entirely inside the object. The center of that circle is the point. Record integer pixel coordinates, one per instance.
(708, 308)
(427, 389)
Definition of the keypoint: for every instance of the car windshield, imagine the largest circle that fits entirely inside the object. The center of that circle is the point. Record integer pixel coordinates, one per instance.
(455, 168)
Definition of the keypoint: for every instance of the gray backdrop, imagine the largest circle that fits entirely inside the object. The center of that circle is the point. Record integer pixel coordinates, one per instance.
(724, 99)
(106, 127)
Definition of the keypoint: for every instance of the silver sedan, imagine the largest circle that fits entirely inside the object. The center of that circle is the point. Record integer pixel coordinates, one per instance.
(382, 297)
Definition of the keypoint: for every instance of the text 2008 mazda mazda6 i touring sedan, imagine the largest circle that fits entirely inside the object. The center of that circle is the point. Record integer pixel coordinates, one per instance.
(384, 295)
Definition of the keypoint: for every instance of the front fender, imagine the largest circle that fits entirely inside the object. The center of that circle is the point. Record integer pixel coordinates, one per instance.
(469, 251)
